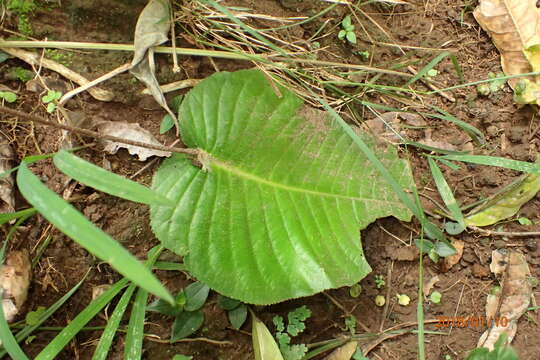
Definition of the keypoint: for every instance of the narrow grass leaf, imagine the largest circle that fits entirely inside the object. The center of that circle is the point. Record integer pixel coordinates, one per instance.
(72, 329)
(446, 192)
(428, 67)
(169, 266)
(102, 349)
(106, 181)
(72, 223)
(8, 340)
(135, 331)
(6, 217)
(471, 130)
(496, 161)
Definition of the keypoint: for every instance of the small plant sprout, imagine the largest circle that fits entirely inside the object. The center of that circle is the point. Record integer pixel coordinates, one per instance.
(435, 297)
(347, 31)
(51, 99)
(524, 221)
(403, 299)
(493, 86)
(379, 281)
(284, 334)
(380, 300)
(8, 96)
(355, 290)
(431, 74)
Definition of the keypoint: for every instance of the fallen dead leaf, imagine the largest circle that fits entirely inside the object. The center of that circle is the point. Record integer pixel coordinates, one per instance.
(151, 30)
(514, 26)
(344, 352)
(15, 277)
(429, 285)
(6, 182)
(506, 306)
(98, 290)
(129, 131)
(452, 260)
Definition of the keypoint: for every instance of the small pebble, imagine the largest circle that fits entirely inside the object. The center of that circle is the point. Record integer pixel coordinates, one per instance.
(499, 244)
(531, 245)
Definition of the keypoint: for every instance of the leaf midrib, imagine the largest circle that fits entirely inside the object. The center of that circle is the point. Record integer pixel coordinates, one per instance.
(236, 171)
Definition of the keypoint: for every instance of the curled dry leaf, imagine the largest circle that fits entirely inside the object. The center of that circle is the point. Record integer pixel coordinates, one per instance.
(344, 352)
(429, 285)
(15, 277)
(505, 307)
(7, 184)
(452, 260)
(507, 203)
(514, 27)
(151, 30)
(129, 131)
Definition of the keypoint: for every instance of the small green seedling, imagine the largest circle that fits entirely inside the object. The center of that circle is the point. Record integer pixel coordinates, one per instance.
(363, 54)
(435, 250)
(51, 99)
(186, 310)
(347, 31)
(435, 297)
(431, 74)
(182, 357)
(350, 324)
(500, 352)
(236, 310)
(493, 86)
(355, 290)
(8, 96)
(524, 221)
(403, 300)
(295, 326)
(379, 281)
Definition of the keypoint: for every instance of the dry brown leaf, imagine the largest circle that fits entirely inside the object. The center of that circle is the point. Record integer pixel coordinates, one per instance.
(452, 260)
(15, 277)
(344, 352)
(7, 203)
(129, 131)
(514, 26)
(429, 285)
(504, 308)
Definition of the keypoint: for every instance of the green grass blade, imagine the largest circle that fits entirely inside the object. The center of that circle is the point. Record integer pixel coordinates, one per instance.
(428, 67)
(496, 161)
(473, 132)
(420, 305)
(135, 331)
(446, 192)
(6, 217)
(72, 223)
(65, 336)
(107, 337)
(106, 181)
(8, 340)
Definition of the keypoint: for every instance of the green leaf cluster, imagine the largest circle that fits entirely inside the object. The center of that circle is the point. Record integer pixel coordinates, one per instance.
(9, 96)
(236, 310)
(295, 326)
(347, 31)
(51, 98)
(500, 352)
(186, 310)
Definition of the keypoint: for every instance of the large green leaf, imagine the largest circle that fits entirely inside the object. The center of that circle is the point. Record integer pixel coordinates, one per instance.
(275, 208)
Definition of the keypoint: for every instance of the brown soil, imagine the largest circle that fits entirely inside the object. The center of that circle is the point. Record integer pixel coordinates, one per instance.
(510, 132)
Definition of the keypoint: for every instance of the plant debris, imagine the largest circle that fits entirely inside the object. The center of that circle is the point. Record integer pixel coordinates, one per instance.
(15, 277)
(129, 131)
(505, 307)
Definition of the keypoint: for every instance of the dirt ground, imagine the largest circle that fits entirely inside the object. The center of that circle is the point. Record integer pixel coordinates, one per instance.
(442, 24)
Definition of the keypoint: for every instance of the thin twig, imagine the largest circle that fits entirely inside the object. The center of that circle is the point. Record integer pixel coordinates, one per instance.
(33, 59)
(95, 134)
(93, 83)
(388, 289)
(504, 233)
